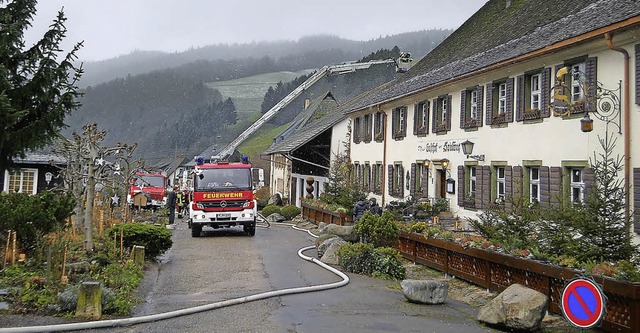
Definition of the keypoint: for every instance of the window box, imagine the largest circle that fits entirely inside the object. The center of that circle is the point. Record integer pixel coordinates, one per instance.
(500, 118)
(469, 202)
(470, 123)
(441, 128)
(531, 114)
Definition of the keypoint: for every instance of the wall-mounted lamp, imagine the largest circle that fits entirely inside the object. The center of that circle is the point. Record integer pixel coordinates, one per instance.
(48, 177)
(586, 123)
(427, 163)
(445, 163)
(467, 149)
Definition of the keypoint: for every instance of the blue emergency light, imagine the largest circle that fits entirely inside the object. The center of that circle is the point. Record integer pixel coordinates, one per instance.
(199, 160)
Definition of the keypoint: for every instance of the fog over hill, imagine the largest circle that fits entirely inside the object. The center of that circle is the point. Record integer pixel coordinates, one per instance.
(178, 103)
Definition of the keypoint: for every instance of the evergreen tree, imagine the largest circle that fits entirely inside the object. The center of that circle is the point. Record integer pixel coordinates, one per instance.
(36, 91)
(604, 234)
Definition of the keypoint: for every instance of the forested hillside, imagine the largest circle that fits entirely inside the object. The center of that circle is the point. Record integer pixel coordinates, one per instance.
(178, 111)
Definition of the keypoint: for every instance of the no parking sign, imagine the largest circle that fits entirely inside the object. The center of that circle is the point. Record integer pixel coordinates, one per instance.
(583, 303)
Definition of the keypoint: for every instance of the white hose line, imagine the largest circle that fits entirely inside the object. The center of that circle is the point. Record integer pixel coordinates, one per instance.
(201, 308)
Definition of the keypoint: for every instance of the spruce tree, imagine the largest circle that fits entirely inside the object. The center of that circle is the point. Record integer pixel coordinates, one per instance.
(36, 90)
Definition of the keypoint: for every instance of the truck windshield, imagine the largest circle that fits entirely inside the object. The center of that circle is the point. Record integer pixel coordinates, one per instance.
(223, 179)
(155, 181)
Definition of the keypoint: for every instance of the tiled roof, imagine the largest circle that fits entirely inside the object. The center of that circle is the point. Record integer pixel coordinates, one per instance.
(318, 108)
(497, 33)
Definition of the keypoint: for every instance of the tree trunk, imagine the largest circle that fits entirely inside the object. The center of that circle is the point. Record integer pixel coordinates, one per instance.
(88, 208)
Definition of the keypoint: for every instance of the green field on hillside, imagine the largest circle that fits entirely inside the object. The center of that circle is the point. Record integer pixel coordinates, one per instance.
(247, 93)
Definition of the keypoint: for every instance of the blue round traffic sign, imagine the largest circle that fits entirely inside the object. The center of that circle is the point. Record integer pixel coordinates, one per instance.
(583, 303)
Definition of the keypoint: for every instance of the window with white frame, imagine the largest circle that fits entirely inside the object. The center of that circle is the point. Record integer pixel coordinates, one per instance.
(418, 179)
(534, 184)
(399, 118)
(21, 181)
(502, 98)
(357, 130)
(474, 104)
(376, 174)
(536, 92)
(472, 182)
(421, 117)
(367, 176)
(442, 113)
(577, 185)
(500, 184)
(577, 73)
(367, 128)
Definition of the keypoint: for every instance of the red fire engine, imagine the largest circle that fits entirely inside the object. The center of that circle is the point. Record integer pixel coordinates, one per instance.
(222, 197)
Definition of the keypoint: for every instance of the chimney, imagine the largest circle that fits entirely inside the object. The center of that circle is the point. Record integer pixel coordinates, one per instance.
(306, 103)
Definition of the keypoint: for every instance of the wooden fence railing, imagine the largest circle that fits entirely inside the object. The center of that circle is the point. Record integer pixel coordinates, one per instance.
(317, 215)
(496, 271)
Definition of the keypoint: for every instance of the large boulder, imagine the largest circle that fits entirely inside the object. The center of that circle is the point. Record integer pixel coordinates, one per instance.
(323, 237)
(275, 217)
(326, 243)
(517, 307)
(330, 255)
(425, 291)
(275, 199)
(344, 232)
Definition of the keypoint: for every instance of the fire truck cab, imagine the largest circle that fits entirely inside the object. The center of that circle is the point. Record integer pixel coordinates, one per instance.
(151, 186)
(222, 197)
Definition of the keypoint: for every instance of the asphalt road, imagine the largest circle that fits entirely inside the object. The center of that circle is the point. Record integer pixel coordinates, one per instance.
(226, 264)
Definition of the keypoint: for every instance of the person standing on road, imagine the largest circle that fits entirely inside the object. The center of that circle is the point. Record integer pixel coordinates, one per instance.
(171, 204)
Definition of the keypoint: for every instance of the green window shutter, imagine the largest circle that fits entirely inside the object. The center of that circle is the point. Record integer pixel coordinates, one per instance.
(518, 182)
(485, 172)
(520, 98)
(401, 181)
(589, 179)
(489, 116)
(545, 90)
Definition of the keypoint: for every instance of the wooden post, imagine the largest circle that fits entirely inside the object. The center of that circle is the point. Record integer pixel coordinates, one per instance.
(89, 301)
(121, 243)
(13, 251)
(64, 280)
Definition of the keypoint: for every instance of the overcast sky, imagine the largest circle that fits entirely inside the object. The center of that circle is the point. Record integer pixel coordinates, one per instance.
(115, 27)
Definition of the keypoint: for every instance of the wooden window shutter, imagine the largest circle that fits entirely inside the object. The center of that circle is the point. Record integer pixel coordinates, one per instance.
(518, 182)
(637, 49)
(545, 194)
(508, 188)
(509, 108)
(361, 173)
(463, 108)
(591, 73)
(434, 115)
(427, 109)
(589, 178)
(425, 182)
(404, 121)
(377, 120)
(412, 184)
(449, 112)
(520, 96)
(401, 181)
(545, 90)
(479, 91)
(461, 185)
(555, 185)
(392, 190)
(486, 186)
(489, 99)
(415, 119)
(636, 196)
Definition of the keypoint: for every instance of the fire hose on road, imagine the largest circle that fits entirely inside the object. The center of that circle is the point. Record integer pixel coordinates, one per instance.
(201, 308)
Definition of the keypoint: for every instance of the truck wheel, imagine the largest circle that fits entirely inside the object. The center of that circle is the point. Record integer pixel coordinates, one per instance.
(195, 231)
(250, 230)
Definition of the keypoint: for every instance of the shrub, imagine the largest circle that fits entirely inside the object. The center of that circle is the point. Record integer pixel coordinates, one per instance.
(361, 258)
(290, 211)
(155, 239)
(378, 230)
(32, 216)
(268, 210)
(418, 227)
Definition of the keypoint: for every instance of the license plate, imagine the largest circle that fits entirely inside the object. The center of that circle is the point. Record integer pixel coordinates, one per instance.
(224, 216)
